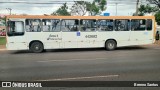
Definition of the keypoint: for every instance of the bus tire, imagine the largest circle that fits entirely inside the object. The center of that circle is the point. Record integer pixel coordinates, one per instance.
(36, 47)
(110, 45)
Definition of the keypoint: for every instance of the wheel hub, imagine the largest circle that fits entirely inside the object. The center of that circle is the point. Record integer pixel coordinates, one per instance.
(110, 45)
(37, 47)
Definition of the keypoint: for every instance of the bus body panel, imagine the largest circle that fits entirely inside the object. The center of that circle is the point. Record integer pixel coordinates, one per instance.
(79, 39)
(49, 39)
(69, 40)
(87, 40)
(17, 43)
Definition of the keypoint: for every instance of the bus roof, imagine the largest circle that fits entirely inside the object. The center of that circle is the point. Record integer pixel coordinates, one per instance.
(77, 17)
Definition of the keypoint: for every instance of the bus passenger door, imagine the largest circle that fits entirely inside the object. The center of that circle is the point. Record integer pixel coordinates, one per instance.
(87, 36)
(139, 33)
(122, 32)
(104, 31)
(87, 40)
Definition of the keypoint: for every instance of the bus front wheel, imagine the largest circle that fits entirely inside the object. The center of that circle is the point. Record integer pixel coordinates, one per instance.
(36, 47)
(110, 45)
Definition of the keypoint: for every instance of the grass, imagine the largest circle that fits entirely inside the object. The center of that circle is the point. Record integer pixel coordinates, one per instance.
(2, 40)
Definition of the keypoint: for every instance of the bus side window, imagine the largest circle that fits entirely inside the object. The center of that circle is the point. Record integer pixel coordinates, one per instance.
(56, 24)
(88, 25)
(138, 25)
(122, 25)
(69, 25)
(149, 24)
(105, 25)
(46, 25)
(33, 25)
(27, 25)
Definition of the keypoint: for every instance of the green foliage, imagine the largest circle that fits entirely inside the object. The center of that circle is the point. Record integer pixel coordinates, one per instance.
(82, 7)
(155, 2)
(140, 14)
(62, 11)
(102, 5)
(92, 8)
(146, 9)
(157, 16)
(3, 18)
(3, 21)
(97, 1)
(149, 9)
(79, 8)
(95, 7)
(2, 40)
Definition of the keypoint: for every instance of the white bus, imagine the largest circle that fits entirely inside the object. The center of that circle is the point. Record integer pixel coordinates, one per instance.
(38, 32)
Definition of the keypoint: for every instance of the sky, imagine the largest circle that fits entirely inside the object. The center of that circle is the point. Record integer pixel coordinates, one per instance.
(40, 7)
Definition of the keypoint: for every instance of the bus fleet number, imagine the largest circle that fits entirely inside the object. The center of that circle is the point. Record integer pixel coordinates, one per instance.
(91, 36)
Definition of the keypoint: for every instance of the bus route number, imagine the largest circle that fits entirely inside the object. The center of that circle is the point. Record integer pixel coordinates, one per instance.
(91, 36)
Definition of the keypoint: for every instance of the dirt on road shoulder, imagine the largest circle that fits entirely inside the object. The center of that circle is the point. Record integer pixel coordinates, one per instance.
(157, 42)
(2, 46)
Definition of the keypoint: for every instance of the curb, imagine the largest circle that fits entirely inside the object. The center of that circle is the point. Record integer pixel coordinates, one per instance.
(2, 36)
(3, 49)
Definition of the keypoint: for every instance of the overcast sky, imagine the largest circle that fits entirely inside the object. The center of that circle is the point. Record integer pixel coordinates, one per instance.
(34, 7)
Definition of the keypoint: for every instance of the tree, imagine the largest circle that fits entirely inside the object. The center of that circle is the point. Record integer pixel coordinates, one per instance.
(146, 9)
(102, 4)
(62, 10)
(98, 6)
(155, 2)
(79, 8)
(149, 9)
(92, 8)
(155, 8)
(157, 16)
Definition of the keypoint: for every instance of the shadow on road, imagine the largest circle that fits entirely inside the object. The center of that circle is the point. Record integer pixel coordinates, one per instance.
(132, 48)
(83, 49)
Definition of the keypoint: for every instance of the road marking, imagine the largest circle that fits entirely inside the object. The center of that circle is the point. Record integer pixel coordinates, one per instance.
(73, 60)
(75, 78)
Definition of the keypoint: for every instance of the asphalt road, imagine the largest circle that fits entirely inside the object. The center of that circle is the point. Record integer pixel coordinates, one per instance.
(137, 63)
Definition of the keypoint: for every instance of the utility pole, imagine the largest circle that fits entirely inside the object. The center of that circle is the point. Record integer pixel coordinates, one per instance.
(137, 4)
(9, 10)
(116, 9)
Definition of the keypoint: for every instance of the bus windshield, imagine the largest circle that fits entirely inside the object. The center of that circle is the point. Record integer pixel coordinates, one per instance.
(15, 28)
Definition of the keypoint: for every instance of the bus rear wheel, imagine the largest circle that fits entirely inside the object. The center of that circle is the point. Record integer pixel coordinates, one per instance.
(110, 45)
(36, 47)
